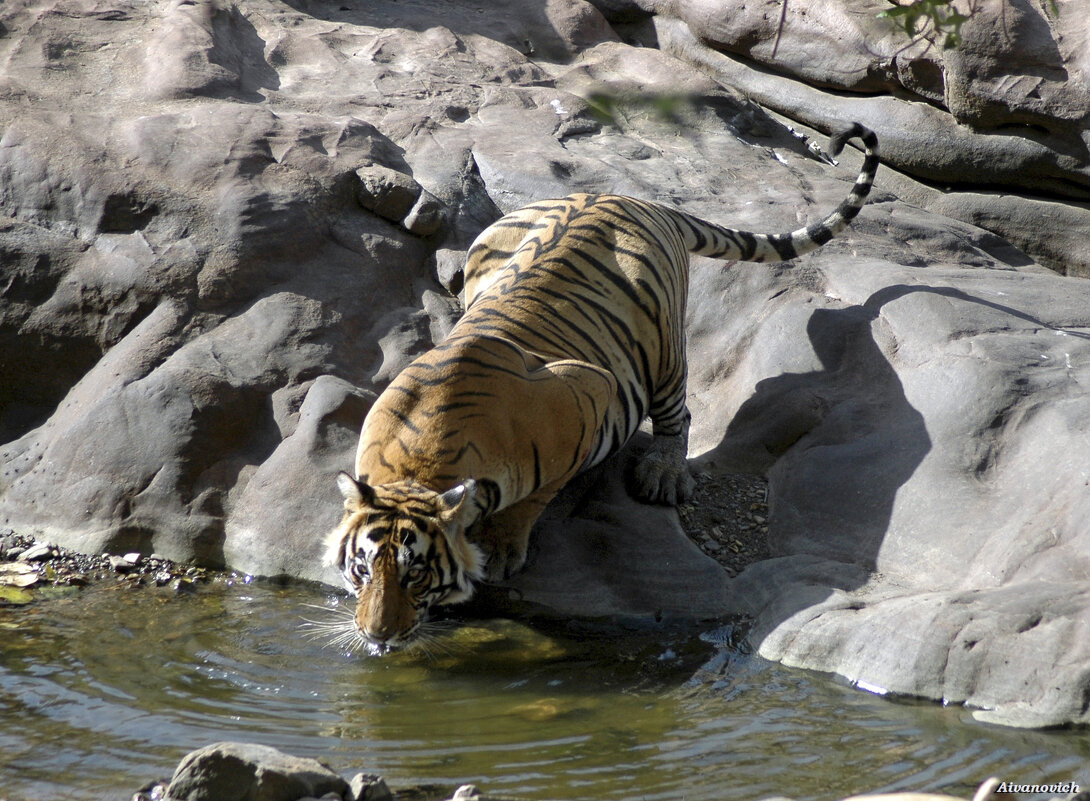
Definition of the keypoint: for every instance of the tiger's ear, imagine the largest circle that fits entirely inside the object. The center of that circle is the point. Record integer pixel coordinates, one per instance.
(458, 504)
(356, 493)
(458, 509)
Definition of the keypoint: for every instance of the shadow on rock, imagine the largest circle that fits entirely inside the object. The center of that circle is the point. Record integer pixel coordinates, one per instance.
(550, 31)
(838, 444)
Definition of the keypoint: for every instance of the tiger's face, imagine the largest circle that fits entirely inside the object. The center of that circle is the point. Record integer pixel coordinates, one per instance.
(402, 549)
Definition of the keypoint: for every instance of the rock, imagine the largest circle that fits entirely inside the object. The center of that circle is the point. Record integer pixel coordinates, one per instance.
(397, 197)
(252, 772)
(426, 216)
(368, 787)
(586, 537)
(152, 791)
(387, 192)
(898, 446)
(120, 564)
(945, 116)
(18, 574)
(37, 552)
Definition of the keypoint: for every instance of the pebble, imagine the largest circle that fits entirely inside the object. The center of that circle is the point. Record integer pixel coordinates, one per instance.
(369, 787)
(727, 517)
(59, 567)
(38, 553)
(120, 564)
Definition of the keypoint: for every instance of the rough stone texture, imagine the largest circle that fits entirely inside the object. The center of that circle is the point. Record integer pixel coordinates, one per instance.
(1002, 118)
(931, 485)
(250, 772)
(209, 263)
(586, 562)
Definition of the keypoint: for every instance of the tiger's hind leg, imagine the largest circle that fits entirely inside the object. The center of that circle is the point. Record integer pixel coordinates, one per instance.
(662, 473)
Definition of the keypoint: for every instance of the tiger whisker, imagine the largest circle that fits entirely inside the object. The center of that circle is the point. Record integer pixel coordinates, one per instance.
(339, 631)
(430, 641)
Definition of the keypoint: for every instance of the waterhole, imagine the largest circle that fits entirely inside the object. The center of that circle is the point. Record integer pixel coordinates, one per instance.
(107, 688)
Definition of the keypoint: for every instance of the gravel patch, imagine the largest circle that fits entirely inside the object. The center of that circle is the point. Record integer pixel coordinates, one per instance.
(30, 569)
(727, 517)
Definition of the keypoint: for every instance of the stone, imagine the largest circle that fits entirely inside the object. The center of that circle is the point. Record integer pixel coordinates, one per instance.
(152, 791)
(368, 787)
(586, 537)
(119, 564)
(426, 216)
(944, 115)
(250, 772)
(37, 552)
(387, 192)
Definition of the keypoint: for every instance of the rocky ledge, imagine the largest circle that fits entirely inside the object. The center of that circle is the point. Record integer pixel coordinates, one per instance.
(725, 519)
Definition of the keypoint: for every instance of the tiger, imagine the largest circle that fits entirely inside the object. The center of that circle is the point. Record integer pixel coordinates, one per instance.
(572, 335)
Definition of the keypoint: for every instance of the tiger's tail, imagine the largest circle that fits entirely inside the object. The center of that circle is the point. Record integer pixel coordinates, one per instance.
(708, 239)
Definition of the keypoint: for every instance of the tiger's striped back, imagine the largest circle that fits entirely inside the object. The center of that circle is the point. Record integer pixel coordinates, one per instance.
(604, 279)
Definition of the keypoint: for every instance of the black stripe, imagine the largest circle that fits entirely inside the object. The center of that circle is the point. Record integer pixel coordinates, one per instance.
(537, 465)
(404, 419)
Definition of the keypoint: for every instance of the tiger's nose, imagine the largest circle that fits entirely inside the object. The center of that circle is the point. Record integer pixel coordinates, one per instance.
(380, 632)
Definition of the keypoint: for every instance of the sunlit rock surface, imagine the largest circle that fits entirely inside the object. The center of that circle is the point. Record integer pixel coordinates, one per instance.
(225, 228)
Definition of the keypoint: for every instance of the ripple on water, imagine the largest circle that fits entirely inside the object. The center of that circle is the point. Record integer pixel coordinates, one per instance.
(104, 690)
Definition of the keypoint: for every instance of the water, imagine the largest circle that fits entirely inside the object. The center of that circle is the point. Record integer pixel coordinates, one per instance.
(107, 688)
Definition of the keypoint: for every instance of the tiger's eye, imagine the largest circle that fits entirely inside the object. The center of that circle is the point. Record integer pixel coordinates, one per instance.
(416, 573)
(358, 569)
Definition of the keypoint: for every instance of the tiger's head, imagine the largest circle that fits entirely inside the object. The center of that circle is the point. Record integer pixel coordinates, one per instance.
(402, 549)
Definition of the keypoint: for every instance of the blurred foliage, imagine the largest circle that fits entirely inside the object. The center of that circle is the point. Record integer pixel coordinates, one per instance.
(937, 20)
(608, 106)
(932, 19)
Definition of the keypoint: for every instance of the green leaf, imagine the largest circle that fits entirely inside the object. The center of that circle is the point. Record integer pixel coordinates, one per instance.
(15, 595)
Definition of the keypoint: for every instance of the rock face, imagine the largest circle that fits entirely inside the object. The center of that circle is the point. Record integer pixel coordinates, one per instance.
(226, 227)
(993, 132)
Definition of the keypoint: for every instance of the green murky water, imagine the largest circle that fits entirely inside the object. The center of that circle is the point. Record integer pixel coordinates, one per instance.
(105, 689)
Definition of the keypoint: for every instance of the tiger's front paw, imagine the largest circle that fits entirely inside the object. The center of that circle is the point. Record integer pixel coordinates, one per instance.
(504, 561)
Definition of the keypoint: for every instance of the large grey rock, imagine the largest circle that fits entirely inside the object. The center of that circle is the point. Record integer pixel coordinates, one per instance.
(928, 491)
(251, 772)
(207, 270)
(585, 562)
